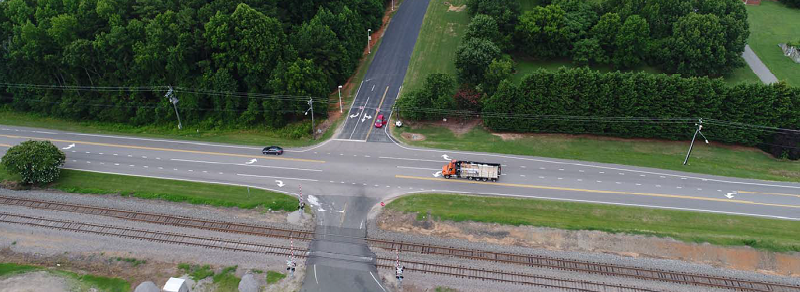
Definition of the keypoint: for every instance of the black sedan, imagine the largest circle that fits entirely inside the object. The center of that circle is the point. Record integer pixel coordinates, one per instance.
(272, 150)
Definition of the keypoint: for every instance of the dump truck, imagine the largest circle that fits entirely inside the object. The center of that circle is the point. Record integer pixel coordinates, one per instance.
(471, 170)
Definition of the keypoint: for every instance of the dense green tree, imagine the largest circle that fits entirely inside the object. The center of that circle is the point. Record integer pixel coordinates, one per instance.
(697, 46)
(543, 32)
(433, 101)
(483, 26)
(580, 16)
(605, 32)
(588, 51)
(318, 42)
(505, 12)
(792, 3)
(631, 43)
(500, 69)
(36, 162)
(473, 57)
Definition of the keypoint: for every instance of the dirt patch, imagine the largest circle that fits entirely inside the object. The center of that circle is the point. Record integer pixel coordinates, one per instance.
(413, 137)
(34, 282)
(509, 136)
(737, 258)
(455, 8)
(457, 126)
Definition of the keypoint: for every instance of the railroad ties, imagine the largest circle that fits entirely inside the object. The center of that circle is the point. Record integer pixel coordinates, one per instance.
(163, 219)
(147, 235)
(588, 267)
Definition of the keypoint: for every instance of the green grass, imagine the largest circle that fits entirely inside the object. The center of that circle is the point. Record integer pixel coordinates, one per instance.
(196, 272)
(435, 51)
(445, 289)
(728, 230)
(226, 280)
(86, 282)
(772, 23)
(75, 181)
(526, 66)
(10, 269)
(716, 160)
(132, 261)
(273, 277)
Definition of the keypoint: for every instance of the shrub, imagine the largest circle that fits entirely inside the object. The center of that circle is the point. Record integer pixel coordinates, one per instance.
(36, 162)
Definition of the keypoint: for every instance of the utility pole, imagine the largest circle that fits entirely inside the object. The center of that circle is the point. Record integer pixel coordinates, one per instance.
(340, 99)
(699, 127)
(369, 38)
(174, 101)
(311, 109)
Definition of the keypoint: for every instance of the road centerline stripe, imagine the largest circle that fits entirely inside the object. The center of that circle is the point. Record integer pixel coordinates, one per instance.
(278, 177)
(163, 149)
(242, 164)
(602, 191)
(371, 126)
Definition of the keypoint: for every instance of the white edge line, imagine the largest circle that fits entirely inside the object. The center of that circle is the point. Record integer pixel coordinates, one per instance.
(608, 203)
(315, 274)
(181, 179)
(348, 140)
(241, 164)
(412, 159)
(409, 167)
(376, 281)
(588, 165)
(266, 176)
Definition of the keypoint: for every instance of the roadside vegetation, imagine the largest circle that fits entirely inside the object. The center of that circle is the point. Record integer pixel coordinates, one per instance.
(772, 23)
(728, 230)
(84, 282)
(273, 277)
(714, 159)
(84, 182)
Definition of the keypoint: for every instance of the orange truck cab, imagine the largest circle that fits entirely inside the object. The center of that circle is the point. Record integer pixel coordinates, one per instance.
(472, 170)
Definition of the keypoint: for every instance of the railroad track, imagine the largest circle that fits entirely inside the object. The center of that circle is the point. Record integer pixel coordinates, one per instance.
(474, 254)
(510, 277)
(162, 219)
(589, 267)
(147, 235)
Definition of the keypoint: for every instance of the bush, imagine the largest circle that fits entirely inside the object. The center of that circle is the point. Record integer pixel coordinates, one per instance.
(583, 101)
(36, 162)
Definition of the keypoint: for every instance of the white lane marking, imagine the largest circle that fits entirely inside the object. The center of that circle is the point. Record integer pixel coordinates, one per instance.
(130, 155)
(160, 167)
(146, 166)
(158, 158)
(422, 168)
(341, 154)
(205, 171)
(411, 159)
(594, 166)
(602, 172)
(69, 147)
(621, 173)
(599, 181)
(101, 153)
(88, 162)
(73, 151)
(189, 180)
(638, 184)
(276, 177)
(191, 170)
(102, 163)
(619, 183)
(114, 154)
(522, 175)
(240, 164)
(373, 87)
(174, 169)
(131, 165)
(658, 186)
(367, 156)
(315, 274)
(541, 177)
(43, 132)
(618, 204)
(349, 140)
(560, 169)
(145, 157)
(74, 160)
(560, 178)
(332, 181)
(542, 168)
(642, 175)
(680, 187)
(220, 173)
(362, 225)
(363, 112)
(88, 152)
(580, 179)
(376, 281)
(523, 166)
(581, 170)
(116, 164)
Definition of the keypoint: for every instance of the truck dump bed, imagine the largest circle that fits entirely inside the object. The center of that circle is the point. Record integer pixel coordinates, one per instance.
(479, 170)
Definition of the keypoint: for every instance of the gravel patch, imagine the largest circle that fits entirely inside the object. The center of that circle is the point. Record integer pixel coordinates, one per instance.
(261, 217)
(374, 232)
(34, 282)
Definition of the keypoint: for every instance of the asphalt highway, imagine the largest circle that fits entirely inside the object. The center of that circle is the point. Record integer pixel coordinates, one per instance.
(382, 83)
(344, 180)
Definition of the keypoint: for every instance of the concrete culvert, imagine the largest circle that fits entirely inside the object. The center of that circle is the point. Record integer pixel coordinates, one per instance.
(147, 287)
(248, 284)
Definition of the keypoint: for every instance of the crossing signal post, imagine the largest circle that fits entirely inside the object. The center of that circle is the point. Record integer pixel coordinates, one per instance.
(691, 145)
(291, 263)
(398, 269)
(174, 100)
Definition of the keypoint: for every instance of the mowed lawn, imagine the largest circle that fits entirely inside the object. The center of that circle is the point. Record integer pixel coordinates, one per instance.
(75, 181)
(707, 159)
(439, 37)
(719, 229)
(772, 23)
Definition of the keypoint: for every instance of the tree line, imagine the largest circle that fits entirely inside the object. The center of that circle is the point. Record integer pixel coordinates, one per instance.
(243, 63)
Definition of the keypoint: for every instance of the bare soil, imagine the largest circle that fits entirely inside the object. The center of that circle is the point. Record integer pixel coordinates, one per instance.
(457, 126)
(455, 8)
(413, 137)
(35, 282)
(737, 258)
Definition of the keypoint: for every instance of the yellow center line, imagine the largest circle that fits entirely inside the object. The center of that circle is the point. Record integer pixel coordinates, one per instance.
(777, 194)
(165, 149)
(599, 191)
(5, 145)
(376, 113)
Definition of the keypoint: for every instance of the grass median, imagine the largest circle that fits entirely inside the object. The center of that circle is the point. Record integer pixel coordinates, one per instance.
(772, 23)
(75, 181)
(729, 230)
(83, 282)
(723, 160)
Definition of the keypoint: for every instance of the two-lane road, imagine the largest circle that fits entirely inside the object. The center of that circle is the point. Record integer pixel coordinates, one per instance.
(380, 170)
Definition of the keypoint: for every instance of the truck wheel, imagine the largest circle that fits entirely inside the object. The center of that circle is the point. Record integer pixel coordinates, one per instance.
(485, 179)
(494, 180)
(447, 176)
